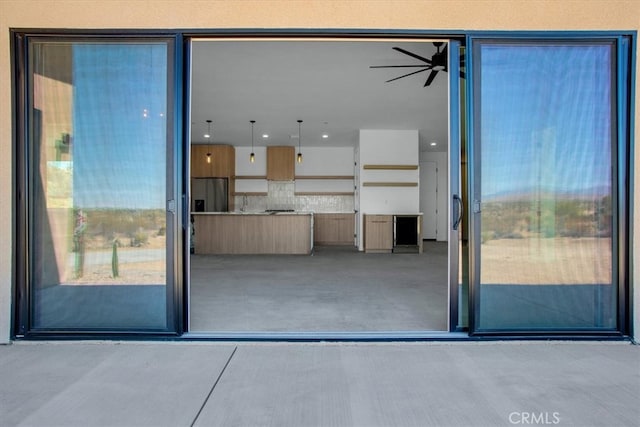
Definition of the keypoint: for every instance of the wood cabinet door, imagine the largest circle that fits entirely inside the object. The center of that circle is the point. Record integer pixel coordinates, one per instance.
(200, 168)
(333, 229)
(378, 233)
(224, 161)
(281, 163)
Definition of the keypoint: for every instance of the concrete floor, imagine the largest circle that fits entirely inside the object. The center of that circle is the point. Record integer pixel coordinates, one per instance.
(335, 289)
(322, 384)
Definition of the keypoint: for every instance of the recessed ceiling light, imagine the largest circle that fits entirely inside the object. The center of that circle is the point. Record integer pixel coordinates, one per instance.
(206, 135)
(325, 136)
(433, 144)
(265, 136)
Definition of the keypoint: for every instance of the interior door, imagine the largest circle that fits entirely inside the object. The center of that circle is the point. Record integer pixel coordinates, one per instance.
(548, 203)
(429, 199)
(100, 177)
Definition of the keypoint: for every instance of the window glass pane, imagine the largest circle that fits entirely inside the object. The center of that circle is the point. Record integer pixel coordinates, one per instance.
(98, 169)
(546, 121)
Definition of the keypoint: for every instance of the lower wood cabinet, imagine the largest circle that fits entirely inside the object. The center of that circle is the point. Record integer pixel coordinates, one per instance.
(333, 228)
(252, 234)
(378, 233)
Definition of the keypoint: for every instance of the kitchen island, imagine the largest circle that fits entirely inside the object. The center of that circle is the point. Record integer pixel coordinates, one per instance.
(253, 232)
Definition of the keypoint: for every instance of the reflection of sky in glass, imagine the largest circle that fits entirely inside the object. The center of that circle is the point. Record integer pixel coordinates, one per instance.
(546, 119)
(119, 127)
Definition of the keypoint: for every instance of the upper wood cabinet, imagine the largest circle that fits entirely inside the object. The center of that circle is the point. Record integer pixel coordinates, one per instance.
(281, 163)
(199, 166)
(223, 161)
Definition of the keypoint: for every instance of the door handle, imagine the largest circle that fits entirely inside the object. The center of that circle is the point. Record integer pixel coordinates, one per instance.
(458, 209)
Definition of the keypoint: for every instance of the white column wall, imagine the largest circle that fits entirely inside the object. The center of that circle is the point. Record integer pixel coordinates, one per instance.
(391, 147)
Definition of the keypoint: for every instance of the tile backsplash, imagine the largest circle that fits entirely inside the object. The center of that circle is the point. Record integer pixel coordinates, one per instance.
(281, 195)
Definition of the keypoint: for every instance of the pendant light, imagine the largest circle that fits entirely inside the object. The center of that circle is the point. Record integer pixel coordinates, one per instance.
(252, 156)
(209, 141)
(299, 141)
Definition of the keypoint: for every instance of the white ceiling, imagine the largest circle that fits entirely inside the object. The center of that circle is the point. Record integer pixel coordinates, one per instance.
(327, 84)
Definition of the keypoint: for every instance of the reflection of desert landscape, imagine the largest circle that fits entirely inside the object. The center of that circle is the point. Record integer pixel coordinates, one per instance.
(547, 261)
(544, 240)
(136, 236)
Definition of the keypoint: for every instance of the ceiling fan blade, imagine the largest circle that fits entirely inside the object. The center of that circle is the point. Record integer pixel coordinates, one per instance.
(398, 66)
(430, 78)
(406, 52)
(445, 57)
(410, 74)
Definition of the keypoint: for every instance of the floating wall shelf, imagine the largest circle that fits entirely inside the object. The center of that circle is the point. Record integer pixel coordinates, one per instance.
(324, 177)
(250, 177)
(324, 193)
(249, 193)
(389, 184)
(391, 167)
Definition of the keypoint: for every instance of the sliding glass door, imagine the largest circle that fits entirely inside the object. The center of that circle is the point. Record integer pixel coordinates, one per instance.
(99, 181)
(548, 189)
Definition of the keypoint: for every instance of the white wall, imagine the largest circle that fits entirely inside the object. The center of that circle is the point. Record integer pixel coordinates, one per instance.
(441, 159)
(317, 161)
(390, 147)
(331, 161)
(245, 167)
(326, 161)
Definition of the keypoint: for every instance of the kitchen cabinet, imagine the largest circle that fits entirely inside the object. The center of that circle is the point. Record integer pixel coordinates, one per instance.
(333, 228)
(378, 233)
(223, 161)
(281, 163)
(199, 166)
(222, 165)
(253, 233)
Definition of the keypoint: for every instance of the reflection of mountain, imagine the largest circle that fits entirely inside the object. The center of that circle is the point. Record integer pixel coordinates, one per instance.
(592, 193)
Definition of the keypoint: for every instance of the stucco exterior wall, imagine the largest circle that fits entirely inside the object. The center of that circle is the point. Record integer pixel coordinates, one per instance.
(354, 14)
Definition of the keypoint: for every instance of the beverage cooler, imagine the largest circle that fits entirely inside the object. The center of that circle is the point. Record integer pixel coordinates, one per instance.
(407, 237)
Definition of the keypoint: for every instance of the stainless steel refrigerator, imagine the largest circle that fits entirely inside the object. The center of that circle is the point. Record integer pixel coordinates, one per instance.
(209, 195)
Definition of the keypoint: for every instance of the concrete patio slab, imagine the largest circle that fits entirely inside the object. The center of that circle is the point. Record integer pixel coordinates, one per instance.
(319, 384)
(471, 384)
(106, 384)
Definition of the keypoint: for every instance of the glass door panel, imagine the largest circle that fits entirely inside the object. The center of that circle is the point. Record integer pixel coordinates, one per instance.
(97, 160)
(544, 192)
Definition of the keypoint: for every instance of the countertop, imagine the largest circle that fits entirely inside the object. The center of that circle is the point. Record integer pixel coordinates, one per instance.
(395, 214)
(254, 213)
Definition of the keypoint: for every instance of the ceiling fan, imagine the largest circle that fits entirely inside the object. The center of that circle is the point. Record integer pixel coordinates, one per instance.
(438, 62)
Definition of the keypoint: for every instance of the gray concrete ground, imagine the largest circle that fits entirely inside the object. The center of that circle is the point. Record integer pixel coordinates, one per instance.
(319, 384)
